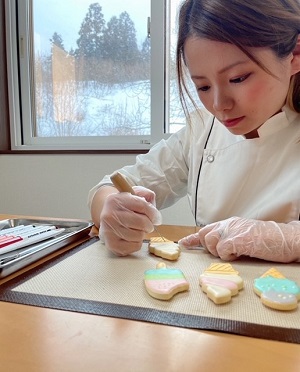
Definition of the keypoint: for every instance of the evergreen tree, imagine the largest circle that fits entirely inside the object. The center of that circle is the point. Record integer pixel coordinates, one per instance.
(72, 52)
(120, 40)
(111, 39)
(128, 49)
(90, 42)
(146, 50)
(57, 41)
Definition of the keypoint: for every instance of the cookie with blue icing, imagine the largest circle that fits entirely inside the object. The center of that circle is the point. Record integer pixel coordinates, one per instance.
(276, 291)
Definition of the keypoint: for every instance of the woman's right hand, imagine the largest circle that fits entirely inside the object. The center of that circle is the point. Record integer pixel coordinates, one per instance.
(126, 219)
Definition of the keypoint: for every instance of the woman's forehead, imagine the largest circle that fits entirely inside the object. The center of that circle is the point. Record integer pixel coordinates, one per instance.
(202, 53)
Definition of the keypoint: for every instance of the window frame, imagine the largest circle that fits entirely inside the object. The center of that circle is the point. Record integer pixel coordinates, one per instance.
(19, 47)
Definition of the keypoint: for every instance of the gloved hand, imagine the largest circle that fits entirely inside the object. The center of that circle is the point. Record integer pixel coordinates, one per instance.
(126, 218)
(234, 237)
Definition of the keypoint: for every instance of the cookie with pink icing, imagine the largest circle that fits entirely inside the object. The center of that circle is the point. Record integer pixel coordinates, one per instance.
(163, 283)
(276, 291)
(220, 282)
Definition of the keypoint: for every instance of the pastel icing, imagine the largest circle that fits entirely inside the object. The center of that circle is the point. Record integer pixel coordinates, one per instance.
(233, 278)
(273, 272)
(163, 283)
(168, 250)
(221, 268)
(228, 284)
(280, 297)
(276, 291)
(218, 294)
(277, 284)
(220, 282)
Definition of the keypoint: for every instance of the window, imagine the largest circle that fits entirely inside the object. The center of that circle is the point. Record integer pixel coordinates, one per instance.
(91, 75)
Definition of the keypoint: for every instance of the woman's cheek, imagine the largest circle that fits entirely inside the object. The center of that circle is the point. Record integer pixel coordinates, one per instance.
(256, 91)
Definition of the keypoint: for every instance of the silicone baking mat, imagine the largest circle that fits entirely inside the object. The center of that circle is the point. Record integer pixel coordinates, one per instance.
(90, 279)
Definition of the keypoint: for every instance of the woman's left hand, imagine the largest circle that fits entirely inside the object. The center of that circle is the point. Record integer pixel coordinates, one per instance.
(235, 236)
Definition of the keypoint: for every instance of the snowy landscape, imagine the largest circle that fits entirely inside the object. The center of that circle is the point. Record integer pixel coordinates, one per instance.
(80, 90)
(113, 110)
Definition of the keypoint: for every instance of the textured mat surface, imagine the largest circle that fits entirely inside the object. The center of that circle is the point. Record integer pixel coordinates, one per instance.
(90, 279)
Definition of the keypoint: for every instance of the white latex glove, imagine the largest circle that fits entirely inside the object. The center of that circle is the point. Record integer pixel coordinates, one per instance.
(126, 218)
(234, 237)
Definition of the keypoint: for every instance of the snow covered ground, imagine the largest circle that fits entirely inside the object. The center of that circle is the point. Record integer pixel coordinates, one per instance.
(100, 110)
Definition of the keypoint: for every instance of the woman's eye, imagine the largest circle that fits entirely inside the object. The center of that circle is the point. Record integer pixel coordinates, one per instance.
(240, 79)
(203, 89)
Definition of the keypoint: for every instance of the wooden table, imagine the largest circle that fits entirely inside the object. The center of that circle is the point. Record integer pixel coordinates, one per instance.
(38, 339)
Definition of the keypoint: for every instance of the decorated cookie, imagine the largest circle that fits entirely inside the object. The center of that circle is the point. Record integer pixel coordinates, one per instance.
(220, 281)
(164, 248)
(276, 291)
(163, 283)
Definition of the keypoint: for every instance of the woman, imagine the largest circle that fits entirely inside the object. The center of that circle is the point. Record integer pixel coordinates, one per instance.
(238, 159)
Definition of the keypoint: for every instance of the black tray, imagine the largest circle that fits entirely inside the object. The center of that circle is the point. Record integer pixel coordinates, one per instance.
(10, 262)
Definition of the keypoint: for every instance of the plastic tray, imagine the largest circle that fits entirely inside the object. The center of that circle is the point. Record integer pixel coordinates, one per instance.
(11, 262)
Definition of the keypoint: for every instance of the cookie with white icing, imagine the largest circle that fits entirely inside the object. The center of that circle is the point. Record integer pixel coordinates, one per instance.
(164, 248)
(220, 281)
(276, 291)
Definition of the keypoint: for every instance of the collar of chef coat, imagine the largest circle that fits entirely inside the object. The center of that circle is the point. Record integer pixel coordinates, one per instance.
(277, 122)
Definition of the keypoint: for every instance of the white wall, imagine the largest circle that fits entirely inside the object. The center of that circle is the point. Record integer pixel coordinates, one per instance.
(58, 185)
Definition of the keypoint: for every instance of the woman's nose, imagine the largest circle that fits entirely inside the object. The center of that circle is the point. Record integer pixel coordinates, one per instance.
(222, 100)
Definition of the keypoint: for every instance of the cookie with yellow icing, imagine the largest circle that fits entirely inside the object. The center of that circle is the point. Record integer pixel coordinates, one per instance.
(221, 268)
(164, 248)
(276, 291)
(220, 281)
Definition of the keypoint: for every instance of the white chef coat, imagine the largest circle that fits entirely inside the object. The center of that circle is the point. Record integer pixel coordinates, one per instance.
(222, 174)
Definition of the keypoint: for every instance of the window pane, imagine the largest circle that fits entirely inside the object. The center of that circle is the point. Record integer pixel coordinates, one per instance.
(175, 114)
(91, 68)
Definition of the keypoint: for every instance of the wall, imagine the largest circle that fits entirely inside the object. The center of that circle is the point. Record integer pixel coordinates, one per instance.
(58, 185)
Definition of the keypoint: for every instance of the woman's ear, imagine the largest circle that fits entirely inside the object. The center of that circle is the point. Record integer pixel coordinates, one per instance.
(295, 63)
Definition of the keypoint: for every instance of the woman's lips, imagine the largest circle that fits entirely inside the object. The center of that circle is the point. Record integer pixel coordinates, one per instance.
(232, 122)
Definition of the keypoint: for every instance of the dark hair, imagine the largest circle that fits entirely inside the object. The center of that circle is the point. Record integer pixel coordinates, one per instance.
(273, 24)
